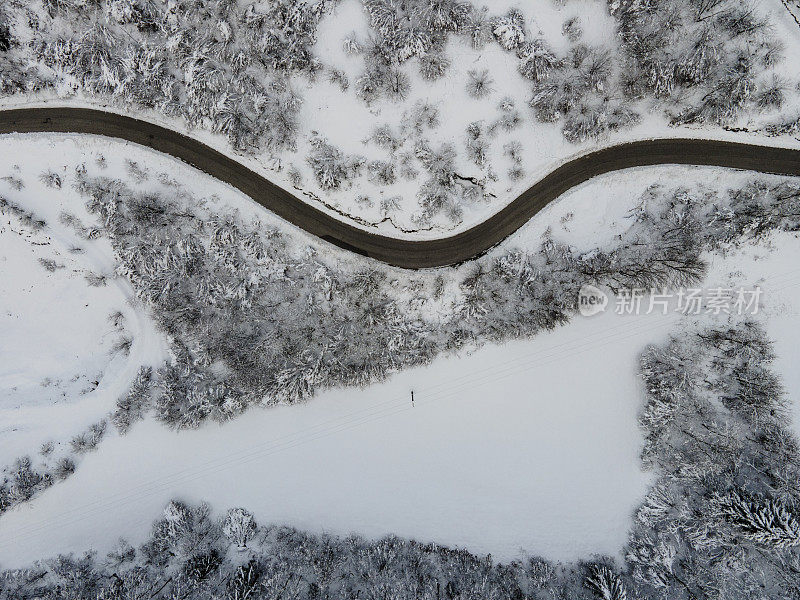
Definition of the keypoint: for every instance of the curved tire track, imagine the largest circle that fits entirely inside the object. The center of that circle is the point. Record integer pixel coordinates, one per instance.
(411, 254)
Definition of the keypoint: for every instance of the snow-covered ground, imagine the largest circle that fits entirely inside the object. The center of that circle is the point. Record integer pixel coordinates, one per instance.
(782, 315)
(530, 447)
(60, 365)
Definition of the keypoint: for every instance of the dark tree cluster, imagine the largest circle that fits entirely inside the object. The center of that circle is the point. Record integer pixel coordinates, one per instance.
(723, 518)
(5, 32)
(17, 75)
(212, 64)
(706, 59)
(405, 29)
(755, 210)
(582, 91)
(254, 319)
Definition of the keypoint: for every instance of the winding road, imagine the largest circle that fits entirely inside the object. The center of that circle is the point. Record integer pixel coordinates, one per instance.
(409, 254)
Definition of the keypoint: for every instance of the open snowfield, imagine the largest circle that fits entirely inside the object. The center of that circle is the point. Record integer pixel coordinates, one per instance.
(59, 371)
(532, 446)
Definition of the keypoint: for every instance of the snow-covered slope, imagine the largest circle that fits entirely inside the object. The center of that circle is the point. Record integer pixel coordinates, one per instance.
(529, 447)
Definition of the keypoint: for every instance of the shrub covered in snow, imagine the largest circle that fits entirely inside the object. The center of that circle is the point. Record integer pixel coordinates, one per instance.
(330, 166)
(727, 466)
(418, 29)
(580, 91)
(509, 30)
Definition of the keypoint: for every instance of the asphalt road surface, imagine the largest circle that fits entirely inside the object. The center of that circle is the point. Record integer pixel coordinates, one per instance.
(404, 253)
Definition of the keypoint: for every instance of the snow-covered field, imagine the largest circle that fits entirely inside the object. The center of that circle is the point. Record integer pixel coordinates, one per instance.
(61, 367)
(531, 447)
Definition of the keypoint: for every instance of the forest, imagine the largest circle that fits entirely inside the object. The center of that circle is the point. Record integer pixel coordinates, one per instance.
(256, 315)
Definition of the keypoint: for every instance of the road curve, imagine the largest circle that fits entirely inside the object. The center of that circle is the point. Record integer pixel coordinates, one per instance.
(404, 253)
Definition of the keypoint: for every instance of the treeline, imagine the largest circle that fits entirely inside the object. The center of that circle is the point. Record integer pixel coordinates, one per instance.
(707, 60)
(192, 555)
(723, 517)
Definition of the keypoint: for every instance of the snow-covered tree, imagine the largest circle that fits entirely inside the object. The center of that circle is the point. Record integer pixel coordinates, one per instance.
(766, 521)
(605, 583)
(701, 59)
(536, 60)
(433, 65)
(479, 83)
(509, 30)
(331, 167)
(239, 526)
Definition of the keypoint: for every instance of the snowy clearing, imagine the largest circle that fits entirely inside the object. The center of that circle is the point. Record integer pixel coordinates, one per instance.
(531, 447)
(61, 367)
